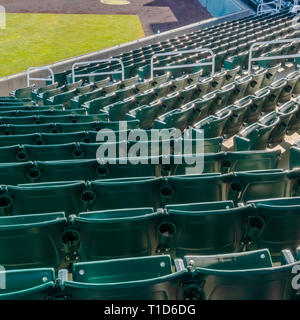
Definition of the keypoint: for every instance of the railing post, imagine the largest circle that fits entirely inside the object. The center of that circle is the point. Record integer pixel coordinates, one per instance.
(271, 57)
(39, 79)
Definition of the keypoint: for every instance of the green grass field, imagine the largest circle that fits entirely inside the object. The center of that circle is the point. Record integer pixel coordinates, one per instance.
(39, 39)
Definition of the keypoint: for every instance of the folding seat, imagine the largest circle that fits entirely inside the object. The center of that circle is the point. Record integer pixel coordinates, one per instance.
(201, 109)
(67, 197)
(95, 105)
(279, 127)
(240, 89)
(91, 169)
(145, 97)
(125, 93)
(20, 93)
(274, 224)
(177, 118)
(276, 89)
(271, 74)
(86, 88)
(203, 87)
(236, 119)
(129, 82)
(180, 83)
(62, 98)
(287, 91)
(182, 164)
(213, 125)
(78, 101)
(32, 241)
(194, 188)
(223, 97)
(142, 278)
(231, 75)
(146, 114)
(194, 77)
(164, 89)
(262, 184)
(28, 284)
(258, 100)
(18, 139)
(241, 276)
(18, 120)
(118, 110)
(143, 86)
(40, 90)
(218, 80)
(294, 124)
(60, 77)
(101, 83)
(250, 160)
(72, 86)
(171, 101)
(210, 145)
(203, 228)
(46, 152)
(61, 138)
(156, 81)
(256, 82)
(111, 88)
(292, 76)
(188, 93)
(256, 136)
(124, 193)
(130, 232)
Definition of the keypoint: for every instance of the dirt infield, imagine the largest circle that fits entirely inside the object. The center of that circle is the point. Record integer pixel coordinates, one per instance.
(155, 15)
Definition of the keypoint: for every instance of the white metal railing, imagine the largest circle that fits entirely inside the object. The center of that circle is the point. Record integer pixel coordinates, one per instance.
(39, 79)
(172, 53)
(266, 7)
(290, 56)
(74, 76)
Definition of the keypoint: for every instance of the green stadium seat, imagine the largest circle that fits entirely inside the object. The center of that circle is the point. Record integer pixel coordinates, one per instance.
(271, 74)
(186, 189)
(32, 241)
(273, 224)
(118, 110)
(236, 119)
(262, 184)
(43, 198)
(130, 233)
(213, 126)
(256, 82)
(294, 124)
(241, 276)
(22, 93)
(203, 228)
(250, 160)
(94, 106)
(240, 89)
(223, 97)
(124, 193)
(140, 278)
(28, 284)
(177, 118)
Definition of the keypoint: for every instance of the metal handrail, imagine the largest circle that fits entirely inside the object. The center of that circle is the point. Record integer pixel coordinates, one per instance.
(290, 56)
(172, 53)
(98, 73)
(39, 79)
(277, 3)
